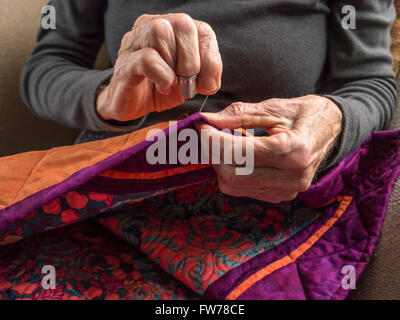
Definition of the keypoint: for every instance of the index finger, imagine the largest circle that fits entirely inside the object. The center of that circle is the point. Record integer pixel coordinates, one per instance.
(257, 118)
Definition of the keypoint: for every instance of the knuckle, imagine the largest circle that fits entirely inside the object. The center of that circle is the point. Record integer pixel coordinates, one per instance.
(119, 73)
(304, 156)
(205, 30)
(142, 18)
(183, 18)
(184, 24)
(126, 42)
(125, 38)
(281, 144)
(273, 102)
(236, 108)
(305, 148)
(260, 148)
(149, 56)
(161, 29)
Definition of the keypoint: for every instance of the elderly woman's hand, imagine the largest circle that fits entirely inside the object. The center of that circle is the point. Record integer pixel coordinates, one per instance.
(302, 132)
(159, 48)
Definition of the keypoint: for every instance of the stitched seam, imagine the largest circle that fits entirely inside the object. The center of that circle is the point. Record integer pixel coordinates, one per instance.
(301, 280)
(40, 161)
(126, 141)
(101, 151)
(259, 275)
(30, 174)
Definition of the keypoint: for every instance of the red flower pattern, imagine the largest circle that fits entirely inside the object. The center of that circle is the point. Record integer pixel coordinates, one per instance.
(195, 246)
(69, 216)
(53, 207)
(76, 201)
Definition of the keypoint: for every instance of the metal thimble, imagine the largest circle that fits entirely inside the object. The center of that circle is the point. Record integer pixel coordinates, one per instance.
(187, 86)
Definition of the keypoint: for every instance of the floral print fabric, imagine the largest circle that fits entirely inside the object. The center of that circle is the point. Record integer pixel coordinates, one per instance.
(90, 263)
(176, 243)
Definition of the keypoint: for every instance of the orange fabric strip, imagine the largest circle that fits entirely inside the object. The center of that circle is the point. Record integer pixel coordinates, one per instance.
(24, 174)
(295, 254)
(113, 174)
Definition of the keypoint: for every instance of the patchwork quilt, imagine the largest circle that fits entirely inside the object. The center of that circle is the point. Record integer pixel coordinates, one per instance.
(115, 227)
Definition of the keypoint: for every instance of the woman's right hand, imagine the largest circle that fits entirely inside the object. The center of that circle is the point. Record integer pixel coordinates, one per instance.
(152, 55)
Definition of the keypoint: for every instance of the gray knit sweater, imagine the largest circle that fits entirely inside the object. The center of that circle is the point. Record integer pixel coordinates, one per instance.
(270, 49)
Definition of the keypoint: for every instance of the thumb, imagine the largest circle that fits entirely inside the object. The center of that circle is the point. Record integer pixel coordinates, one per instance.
(245, 115)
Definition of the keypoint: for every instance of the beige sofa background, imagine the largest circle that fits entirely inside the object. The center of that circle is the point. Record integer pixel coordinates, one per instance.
(20, 131)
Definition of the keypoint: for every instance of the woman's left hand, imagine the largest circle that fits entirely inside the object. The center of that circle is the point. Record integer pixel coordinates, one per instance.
(302, 132)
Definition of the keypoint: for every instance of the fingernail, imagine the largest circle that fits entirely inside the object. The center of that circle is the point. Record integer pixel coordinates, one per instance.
(210, 85)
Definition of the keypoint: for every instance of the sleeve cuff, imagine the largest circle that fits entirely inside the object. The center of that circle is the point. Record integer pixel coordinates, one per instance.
(343, 145)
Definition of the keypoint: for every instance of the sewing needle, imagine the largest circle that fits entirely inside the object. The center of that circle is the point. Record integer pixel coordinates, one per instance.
(203, 104)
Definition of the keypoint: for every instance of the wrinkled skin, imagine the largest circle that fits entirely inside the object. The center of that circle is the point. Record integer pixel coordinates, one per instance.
(302, 132)
(152, 55)
(161, 47)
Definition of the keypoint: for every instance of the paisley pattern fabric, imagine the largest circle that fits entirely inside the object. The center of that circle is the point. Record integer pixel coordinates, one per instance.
(198, 234)
(90, 263)
(195, 234)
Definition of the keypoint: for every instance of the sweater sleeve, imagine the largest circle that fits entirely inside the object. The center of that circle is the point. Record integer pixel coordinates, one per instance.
(360, 79)
(58, 82)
